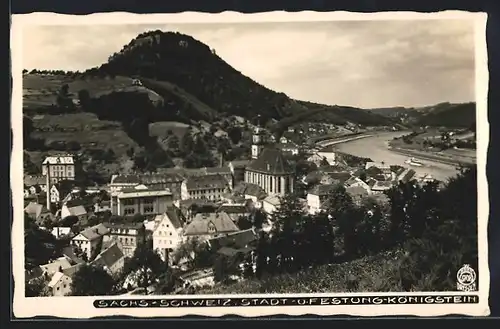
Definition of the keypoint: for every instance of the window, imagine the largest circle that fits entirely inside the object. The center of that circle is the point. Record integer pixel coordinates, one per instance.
(129, 211)
(148, 201)
(148, 209)
(64, 286)
(170, 233)
(58, 288)
(129, 202)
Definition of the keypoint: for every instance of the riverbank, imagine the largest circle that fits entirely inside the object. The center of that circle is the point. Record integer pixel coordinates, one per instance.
(450, 160)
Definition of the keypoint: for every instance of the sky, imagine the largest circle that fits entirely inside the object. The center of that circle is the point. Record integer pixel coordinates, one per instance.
(366, 64)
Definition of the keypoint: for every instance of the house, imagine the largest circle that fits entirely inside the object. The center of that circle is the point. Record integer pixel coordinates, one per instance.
(235, 210)
(209, 225)
(406, 176)
(316, 159)
(357, 193)
(210, 187)
(88, 240)
(156, 181)
(102, 206)
(317, 197)
(383, 169)
(60, 284)
(237, 240)
(34, 189)
(54, 266)
(59, 167)
(59, 192)
(381, 186)
(129, 236)
(38, 212)
(237, 168)
(357, 182)
(70, 255)
(38, 180)
(167, 235)
(141, 200)
(289, 148)
(79, 211)
(250, 192)
(329, 153)
(59, 232)
(112, 260)
(270, 204)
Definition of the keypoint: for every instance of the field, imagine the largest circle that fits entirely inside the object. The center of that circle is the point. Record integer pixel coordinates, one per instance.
(42, 90)
(160, 129)
(376, 273)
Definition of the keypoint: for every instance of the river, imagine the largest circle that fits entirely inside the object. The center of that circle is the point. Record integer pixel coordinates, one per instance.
(375, 148)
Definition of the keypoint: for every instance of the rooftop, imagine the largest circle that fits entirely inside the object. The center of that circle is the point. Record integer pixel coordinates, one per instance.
(271, 161)
(140, 191)
(237, 240)
(95, 232)
(206, 182)
(201, 224)
(109, 257)
(174, 216)
(62, 159)
(250, 189)
(323, 189)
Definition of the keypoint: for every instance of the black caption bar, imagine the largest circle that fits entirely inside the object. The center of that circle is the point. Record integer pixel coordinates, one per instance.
(286, 301)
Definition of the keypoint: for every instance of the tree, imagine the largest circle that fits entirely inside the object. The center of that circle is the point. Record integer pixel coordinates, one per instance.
(147, 264)
(92, 281)
(69, 221)
(37, 287)
(340, 206)
(244, 223)
(235, 134)
(84, 98)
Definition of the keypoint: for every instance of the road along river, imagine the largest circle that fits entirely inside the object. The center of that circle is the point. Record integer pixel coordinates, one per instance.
(376, 148)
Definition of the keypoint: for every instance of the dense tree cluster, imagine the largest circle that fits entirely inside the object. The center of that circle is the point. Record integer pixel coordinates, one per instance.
(436, 228)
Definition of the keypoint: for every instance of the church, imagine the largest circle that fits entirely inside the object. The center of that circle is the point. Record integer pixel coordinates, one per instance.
(269, 169)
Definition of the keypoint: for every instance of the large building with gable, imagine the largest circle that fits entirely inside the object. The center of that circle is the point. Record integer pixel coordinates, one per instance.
(269, 168)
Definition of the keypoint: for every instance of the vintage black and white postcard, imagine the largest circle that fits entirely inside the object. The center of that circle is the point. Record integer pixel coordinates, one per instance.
(250, 164)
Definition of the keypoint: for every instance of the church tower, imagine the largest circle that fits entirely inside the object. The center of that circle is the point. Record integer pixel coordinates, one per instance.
(258, 142)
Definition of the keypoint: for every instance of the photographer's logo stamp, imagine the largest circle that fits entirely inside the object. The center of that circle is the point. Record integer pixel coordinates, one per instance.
(466, 278)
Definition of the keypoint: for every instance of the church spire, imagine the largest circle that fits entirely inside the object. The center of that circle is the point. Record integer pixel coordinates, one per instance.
(258, 139)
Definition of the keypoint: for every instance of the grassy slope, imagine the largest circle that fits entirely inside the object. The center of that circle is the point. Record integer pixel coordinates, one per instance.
(84, 128)
(375, 273)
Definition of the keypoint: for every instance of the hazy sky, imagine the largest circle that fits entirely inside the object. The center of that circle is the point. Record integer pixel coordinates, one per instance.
(358, 63)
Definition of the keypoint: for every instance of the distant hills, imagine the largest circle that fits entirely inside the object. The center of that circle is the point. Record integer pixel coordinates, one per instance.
(177, 66)
(170, 78)
(444, 114)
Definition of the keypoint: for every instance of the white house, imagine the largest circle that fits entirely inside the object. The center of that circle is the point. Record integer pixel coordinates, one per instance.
(60, 284)
(317, 196)
(60, 231)
(78, 211)
(88, 239)
(54, 194)
(316, 159)
(270, 204)
(112, 260)
(329, 153)
(357, 182)
(167, 235)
